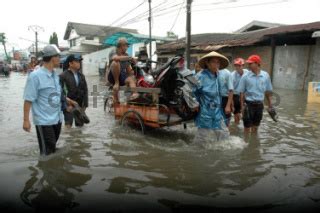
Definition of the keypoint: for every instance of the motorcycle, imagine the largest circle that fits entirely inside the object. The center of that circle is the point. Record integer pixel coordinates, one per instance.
(175, 83)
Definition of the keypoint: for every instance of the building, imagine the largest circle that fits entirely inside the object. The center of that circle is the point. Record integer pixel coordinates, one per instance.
(290, 53)
(87, 38)
(98, 59)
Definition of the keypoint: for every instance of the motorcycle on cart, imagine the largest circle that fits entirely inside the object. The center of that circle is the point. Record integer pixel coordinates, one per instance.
(165, 97)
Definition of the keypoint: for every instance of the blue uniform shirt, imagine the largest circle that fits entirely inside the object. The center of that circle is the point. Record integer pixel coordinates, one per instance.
(208, 95)
(225, 82)
(236, 77)
(254, 86)
(44, 91)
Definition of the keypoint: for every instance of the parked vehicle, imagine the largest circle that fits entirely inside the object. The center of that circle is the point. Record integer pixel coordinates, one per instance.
(175, 83)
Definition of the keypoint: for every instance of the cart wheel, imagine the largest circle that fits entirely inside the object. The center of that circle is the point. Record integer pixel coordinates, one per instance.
(133, 119)
(108, 105)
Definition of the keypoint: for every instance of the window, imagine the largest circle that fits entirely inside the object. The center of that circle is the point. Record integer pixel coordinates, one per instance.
(89, 38)
(72, 42)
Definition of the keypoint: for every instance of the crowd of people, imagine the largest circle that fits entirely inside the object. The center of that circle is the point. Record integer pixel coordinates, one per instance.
(220, 93)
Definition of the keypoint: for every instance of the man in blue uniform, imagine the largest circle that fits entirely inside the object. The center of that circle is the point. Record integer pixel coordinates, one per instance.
(237, 74)
(253, 87)
(43, 95)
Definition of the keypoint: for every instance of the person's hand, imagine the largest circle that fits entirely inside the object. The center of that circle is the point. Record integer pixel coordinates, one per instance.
(196, 109)
(26, 125)
(232, 108)
(69, 108)
(227, 110)
(134, 60)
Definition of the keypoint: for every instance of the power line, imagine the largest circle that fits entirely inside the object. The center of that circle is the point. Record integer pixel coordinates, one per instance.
(239, 6)
(175, 21)
(144, 15)
(141, 14)
(130, 11)
(216, 3)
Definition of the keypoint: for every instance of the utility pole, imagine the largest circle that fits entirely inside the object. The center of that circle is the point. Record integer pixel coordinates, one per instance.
(188, 33)
(150, 37)
(36, 29)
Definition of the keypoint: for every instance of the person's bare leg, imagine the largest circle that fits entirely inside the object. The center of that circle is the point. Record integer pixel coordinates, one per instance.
(237, 118)
(115, 69)
(247, 130)
(131, 82)
(254, 129)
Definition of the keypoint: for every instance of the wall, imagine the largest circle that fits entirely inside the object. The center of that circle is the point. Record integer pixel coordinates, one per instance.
(244, 52)
(291, 66)
(91, 61)
(314, 72)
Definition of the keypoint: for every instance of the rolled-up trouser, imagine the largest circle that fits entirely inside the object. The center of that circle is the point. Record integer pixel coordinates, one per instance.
(48, 137)
(68, 119)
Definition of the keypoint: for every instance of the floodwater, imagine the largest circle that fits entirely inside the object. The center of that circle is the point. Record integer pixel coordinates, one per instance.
(102, 167)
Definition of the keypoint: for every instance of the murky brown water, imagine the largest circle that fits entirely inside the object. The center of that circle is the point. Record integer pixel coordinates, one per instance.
(101, 167)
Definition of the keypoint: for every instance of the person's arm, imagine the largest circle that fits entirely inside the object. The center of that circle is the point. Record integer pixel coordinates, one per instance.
(121, 58)
(241, 90)
(241, 101)
(269, 97)
(269, 92)
(230, 95)
(26, 113)
(130, 71)
(30, 95)
(71, 102)
(229, 103)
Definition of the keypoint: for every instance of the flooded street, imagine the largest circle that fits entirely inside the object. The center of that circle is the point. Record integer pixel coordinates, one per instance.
(102, 167)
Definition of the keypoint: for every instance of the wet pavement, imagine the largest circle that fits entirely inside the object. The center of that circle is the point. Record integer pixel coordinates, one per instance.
(102, 167)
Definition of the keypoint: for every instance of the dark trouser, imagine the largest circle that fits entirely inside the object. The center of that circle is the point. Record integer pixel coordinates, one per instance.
(236, 104)
(223, 105)
(68, 119)
(48, 137)
(253, 114)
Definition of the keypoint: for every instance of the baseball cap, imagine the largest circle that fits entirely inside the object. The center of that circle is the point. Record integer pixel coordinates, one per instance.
(238, 61)
(50, 50)
(73, 57)
(254, 59)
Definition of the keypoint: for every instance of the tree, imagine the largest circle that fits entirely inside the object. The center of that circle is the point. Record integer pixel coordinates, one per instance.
(3, 41)
(54, 39)
(171, 34)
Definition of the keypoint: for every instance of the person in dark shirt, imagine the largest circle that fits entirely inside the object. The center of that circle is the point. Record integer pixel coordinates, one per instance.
(75, 87)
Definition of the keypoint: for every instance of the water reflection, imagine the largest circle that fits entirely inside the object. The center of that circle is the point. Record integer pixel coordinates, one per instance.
(56, 179)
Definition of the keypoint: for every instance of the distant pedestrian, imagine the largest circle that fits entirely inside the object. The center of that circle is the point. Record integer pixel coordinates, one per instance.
(237, 74)
(196, 69)
(33, 63)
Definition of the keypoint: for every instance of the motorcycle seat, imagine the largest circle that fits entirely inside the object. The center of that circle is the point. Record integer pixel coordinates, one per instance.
(159, 69)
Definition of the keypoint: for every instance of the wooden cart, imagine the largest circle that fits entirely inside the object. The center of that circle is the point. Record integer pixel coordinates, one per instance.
(144, 114)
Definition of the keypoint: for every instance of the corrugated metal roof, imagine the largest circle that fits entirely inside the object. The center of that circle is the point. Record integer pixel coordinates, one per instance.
(215, 41)
(94, 30)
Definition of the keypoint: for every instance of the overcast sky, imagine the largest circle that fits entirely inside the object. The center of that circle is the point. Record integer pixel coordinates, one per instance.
(207, 16)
